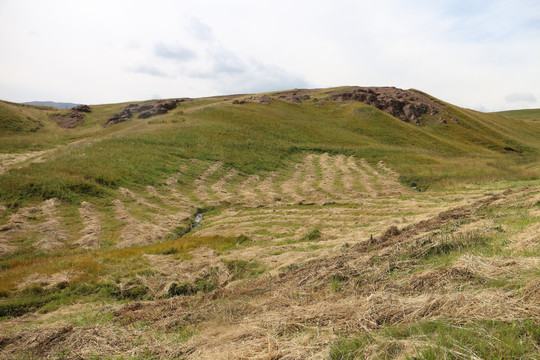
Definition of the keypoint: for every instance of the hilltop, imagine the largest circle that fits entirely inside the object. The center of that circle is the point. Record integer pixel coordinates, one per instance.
(333, 223)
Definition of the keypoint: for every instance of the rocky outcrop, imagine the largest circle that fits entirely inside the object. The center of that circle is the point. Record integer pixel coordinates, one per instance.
(295, 97)
(123, 116)
(156, 108)
(82, 108)
(265, 99)
(406, 105)
(73, 119)
(145, 111)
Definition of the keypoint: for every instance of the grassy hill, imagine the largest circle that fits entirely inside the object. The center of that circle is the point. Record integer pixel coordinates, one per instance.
(257, 138)
(269, 226)
(526, 114)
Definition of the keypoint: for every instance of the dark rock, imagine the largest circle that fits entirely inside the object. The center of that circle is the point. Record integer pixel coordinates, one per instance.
(167, 104)
(125, 115)
(152, 112)
(265, 99)
(69, 121)
(405, 105)
(82, 108)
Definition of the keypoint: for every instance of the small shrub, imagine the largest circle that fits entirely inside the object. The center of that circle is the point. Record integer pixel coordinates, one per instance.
(314, 234)
(183, 288)
(241, 269)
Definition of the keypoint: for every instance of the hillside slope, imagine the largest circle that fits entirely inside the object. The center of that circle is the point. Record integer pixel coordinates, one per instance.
(297, 224)
(256, 138)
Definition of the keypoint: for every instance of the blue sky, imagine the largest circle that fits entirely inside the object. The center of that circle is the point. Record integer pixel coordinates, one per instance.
(478, 54)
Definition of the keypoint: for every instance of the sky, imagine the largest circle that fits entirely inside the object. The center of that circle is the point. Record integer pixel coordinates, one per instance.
(478, 54)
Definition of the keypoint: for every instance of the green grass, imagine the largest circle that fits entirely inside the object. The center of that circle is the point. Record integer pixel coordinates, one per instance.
(525, 114)
(257, 138)
(445, 339)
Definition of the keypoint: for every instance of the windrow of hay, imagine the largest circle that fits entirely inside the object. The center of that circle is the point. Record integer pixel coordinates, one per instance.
(86, 342)
(91, 232)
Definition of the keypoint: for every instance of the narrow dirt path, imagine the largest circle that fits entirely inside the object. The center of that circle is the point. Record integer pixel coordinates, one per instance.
(8, 161)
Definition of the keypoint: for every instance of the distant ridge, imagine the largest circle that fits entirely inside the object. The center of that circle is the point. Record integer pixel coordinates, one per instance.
(59, 105)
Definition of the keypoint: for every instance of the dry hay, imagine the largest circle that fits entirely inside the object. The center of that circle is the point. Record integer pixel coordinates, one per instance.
(267, 189)
(328, 175)
(219, 187)
(170, 186)
(8, 160)
(381, 165)
(138, 199)
(290, 187)
(92, 227)
(52, 236)
(290, 327)
(496, 267)
(246, 190)
(136, 233)
(85, 342)
(346, 175)
(6, 248)
(308, 185)
(152, 191)
(170, 270)
(527, 240)
(48, 280)
(253, 341)
(201, 186)
(363, 176)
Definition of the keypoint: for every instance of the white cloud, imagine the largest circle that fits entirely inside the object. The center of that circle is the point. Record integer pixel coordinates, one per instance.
(520, 97)
(175, 52)
(472, 54)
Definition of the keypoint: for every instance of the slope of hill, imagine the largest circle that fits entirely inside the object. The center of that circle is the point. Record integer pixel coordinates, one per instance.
(332, 223)
(526, 114)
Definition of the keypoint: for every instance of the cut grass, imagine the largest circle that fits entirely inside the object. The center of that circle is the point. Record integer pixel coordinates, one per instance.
(444, 339)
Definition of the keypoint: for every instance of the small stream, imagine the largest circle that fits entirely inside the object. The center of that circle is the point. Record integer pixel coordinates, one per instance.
(197, 220)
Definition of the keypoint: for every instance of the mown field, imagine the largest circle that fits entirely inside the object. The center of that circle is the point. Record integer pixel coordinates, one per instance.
(321, 229)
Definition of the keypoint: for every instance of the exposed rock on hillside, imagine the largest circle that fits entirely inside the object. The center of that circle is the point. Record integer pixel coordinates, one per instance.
(145, 111)
(73, 119)
(406, 105)
(125, 115)
(82, 108)
(295, 97)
